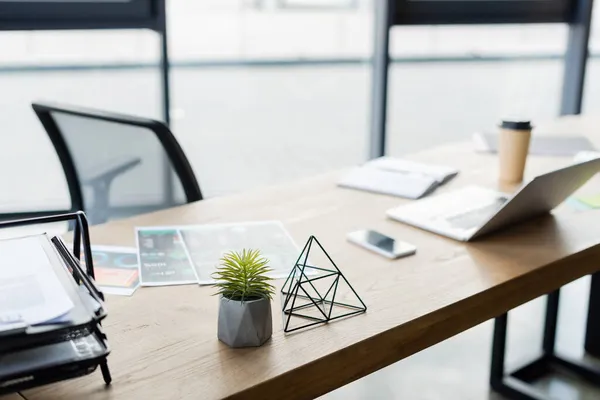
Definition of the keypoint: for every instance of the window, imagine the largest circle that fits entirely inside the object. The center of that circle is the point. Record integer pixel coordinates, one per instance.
(465, 78)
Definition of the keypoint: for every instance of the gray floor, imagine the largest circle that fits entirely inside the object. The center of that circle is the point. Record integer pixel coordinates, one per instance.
(243, 128)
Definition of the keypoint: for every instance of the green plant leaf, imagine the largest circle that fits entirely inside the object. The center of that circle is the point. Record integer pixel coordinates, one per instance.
(242, 276)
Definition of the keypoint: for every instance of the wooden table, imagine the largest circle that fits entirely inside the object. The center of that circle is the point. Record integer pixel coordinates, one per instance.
(164, 339)
(14, 396)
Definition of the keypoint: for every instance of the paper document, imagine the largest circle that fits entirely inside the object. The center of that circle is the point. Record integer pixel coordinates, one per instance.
(583, 156)
(182, 254)
(30, 290)
(591, 201)
(542, 145)
(163, 259)
(116, 269)
(577, 205)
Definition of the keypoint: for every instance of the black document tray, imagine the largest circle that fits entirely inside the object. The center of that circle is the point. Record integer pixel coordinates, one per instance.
(82, 324)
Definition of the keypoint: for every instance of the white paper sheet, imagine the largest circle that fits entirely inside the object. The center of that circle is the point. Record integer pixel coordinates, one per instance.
(30, 291)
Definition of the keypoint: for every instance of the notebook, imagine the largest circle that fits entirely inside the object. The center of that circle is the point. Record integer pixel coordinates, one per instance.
(398, 177)
(410, 186)
(441, 173)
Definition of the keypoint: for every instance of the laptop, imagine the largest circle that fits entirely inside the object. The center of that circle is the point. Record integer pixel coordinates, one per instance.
(469, 213)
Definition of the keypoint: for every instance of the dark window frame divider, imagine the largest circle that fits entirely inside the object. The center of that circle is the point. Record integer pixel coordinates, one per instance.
(451, 12)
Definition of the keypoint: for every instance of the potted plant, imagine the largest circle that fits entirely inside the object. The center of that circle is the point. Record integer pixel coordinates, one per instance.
(245, 299)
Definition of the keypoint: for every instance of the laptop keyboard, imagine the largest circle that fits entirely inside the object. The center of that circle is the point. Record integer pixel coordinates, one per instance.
(476, 217)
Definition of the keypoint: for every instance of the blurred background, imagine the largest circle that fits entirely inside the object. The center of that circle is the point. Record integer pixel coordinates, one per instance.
(257, 83)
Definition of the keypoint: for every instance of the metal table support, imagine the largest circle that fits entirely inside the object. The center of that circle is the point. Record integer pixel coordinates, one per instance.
(516, 385)
(592, 336)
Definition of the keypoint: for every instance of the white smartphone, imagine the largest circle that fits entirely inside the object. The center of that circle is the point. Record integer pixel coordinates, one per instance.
(381, 244)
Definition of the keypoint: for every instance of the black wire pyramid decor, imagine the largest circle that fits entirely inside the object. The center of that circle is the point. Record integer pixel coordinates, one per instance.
(314, 294)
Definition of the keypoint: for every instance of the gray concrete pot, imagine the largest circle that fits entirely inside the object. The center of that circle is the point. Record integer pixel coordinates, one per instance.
(244, 324)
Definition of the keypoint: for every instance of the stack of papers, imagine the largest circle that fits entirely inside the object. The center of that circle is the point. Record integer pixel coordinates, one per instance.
(398, 177)
(30, 291)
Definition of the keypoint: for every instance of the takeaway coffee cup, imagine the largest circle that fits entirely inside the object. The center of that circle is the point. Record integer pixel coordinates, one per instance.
(513, 146)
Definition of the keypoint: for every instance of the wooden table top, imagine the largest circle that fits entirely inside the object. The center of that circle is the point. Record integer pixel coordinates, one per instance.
(13, 396)
(164, 342)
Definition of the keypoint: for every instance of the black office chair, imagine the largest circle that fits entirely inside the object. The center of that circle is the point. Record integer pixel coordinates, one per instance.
(116, 165)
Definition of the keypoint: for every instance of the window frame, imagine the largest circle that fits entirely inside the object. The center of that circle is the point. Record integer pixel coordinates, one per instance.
(450, 12)
(93, 14)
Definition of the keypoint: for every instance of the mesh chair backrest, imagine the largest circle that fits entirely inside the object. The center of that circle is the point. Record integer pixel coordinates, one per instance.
(122, 165)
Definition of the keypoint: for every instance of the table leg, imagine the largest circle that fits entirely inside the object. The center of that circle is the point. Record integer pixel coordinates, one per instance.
(592, 336)
(517, 385)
